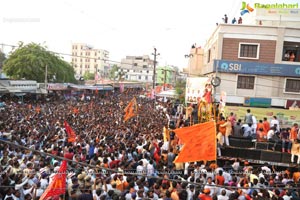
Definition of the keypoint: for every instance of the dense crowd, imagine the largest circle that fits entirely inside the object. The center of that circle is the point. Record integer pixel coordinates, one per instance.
(113, 159)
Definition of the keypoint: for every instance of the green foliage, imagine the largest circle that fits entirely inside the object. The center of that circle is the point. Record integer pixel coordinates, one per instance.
(112, 72)
(30, 62)
(2, 59)
(89, 76)
(180, 90)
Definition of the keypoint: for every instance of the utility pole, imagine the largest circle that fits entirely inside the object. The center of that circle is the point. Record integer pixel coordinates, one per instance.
(154, 67)
(46, 77)
(165, 73)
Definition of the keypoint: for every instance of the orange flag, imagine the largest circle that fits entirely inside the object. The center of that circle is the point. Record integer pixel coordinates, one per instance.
(130, 110)
(58, 184)
(70, 132)
(199, 142)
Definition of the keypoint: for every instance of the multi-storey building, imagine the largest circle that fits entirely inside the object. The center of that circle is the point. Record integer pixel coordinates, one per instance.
(166, 75)
(258, 64)
(87, 59)
(137, 68)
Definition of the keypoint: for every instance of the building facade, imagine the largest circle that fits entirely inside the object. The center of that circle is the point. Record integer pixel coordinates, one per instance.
(166, 75)
(195, 62)
(87, 59)
(256, 63)
(137, 68)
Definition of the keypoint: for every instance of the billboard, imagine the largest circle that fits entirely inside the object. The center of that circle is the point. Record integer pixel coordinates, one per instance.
(195, 88)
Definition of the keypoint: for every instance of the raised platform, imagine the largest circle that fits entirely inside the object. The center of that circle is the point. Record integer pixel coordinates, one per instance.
(258, 156)
(257, 152)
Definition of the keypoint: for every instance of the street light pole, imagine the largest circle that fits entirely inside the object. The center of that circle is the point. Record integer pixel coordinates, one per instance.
(154, 67)
(189, 56)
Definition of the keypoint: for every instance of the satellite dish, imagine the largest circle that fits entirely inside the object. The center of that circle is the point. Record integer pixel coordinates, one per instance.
(77, 77)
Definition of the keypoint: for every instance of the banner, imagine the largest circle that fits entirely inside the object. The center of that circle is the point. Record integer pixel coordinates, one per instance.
(195, 88)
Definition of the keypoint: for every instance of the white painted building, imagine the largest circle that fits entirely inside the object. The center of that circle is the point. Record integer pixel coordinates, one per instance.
(87, 59)
(137, 68)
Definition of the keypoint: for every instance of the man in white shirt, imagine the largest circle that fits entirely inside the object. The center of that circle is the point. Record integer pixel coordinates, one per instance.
(275, 121)
(223, 196)
(211, 186)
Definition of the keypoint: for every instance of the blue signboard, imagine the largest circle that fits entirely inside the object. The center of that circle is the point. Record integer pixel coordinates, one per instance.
(260, 102)
(257, 68)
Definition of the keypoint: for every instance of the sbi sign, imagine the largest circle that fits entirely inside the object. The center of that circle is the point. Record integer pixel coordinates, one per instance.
(231, 67)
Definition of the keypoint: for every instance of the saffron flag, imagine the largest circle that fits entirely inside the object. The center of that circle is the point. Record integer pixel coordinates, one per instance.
(70, 132)
(58, 184)
(130, 110)
(199, 142)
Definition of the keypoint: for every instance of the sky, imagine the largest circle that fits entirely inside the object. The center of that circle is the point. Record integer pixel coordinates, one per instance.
(123, 27)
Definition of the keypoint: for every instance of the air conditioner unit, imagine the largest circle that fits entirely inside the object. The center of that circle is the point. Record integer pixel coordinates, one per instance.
(247, 101)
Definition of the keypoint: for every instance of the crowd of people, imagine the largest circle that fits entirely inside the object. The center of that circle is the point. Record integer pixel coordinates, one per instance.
(262, 130)
(113, 159)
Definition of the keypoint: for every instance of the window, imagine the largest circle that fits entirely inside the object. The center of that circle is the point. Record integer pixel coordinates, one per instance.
(140, 77)
(291, 51)
(250, 51)
(146, 77)
(134, 64)
(292, 85)
(245, 82)
(208, 56)
(147, 71)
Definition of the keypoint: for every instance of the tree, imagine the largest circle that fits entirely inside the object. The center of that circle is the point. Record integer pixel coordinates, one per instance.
(31, 61)
(180, 90)
(112, 72)
(2, 59)
(88, 76)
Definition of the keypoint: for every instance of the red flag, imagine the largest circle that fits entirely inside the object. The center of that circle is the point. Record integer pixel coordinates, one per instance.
(199, 142)
(70, 132)
(58, 184)
(130, 110)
